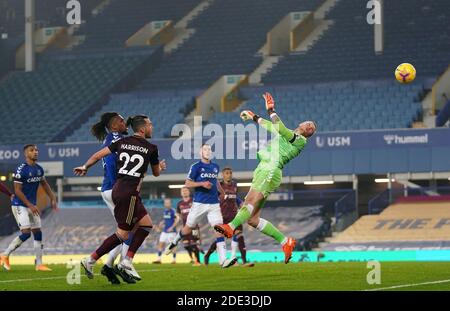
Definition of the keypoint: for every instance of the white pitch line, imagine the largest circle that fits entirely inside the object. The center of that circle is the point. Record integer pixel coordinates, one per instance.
(57, 277)
(407, 285)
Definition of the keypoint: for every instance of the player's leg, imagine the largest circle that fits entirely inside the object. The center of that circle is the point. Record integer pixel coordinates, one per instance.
(24, 222)
(196, 250)
(253, 199)
(123, 206)
(144, 226)
(171, 237)
(38, 245)
(235, 243)
(161, 246)
(112, 255)
(215, 218)
(194, 216)
(211, 250)
(243, 249)
(266, 227)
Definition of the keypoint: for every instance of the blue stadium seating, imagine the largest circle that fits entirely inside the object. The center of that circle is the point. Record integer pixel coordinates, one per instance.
(337, 106)
(164, 109)
(121, 19)
(228, 35)
(416, 31)
(42, 103)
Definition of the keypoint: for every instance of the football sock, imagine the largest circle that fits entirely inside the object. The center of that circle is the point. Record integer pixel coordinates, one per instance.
(221, 249)
(197, 254)
(242, 248)
(111, 242)
(38, 246)
(242, 216)
(268, 229)
(234, 246)
(138, 239)
(15, 244)
(178, 237)
(126, 245)
(112, 255)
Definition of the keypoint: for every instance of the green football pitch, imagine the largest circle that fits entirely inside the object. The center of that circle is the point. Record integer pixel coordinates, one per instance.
(264, 276)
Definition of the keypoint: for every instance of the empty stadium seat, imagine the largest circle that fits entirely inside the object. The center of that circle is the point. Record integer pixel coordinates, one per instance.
(336, 106)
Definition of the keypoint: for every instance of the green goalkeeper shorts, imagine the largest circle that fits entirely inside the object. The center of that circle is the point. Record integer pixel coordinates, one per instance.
(266, 179)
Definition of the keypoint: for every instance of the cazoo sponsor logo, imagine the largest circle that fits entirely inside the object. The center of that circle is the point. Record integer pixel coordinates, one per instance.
(9, 154)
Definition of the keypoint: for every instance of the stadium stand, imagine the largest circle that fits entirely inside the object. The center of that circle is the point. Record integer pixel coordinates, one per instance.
(414, 224)
(67, 86)
(227, 38)
(345, 52)
(48, 13)
(106, 31)
(337, 106)
(82, 229)
(164, 108)
(443, 115)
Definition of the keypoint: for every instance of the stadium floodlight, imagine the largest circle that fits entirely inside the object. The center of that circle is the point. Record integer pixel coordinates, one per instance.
(382, 180)
(3, 178)
(318, 182)
(176, 186)
(244, 184)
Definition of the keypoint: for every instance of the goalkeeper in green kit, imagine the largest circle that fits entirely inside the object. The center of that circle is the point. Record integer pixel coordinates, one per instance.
(285, 146)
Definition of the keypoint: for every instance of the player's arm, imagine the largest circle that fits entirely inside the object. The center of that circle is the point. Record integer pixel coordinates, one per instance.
(249, 115)
(239, 202)
(82, 170)
(220, 189)
(6, 191)
(194, 184)
(156, 165)
(158, 168)
(50, 193)
(175, 222)
(288, 134)
(19, 193)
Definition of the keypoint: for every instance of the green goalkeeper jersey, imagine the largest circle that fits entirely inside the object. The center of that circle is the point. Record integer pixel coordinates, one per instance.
(285, 146)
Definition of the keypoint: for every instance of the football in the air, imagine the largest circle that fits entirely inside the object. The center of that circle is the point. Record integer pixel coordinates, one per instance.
(405, 73)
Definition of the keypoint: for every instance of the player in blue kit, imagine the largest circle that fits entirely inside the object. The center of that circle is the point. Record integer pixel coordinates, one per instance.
(169, 229)
(29, 175)
(110, 128)
(203, 178)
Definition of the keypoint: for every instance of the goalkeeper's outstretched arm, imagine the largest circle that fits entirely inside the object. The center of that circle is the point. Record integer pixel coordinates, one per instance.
(278, 124)
(249, 115)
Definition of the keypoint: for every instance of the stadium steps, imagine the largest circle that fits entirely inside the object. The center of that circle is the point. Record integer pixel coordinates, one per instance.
(181, 27)
(320, 28)
(267, 64)
(396, 224)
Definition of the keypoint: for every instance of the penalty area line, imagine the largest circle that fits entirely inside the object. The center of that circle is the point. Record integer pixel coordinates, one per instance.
(407, 285)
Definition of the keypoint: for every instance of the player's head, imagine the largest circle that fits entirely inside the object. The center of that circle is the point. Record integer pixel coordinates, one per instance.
(205, 152)
(227, 174)
(141, 125)
(167, 203)
(31, 152)
(109, 122)
(185, 192)
(307, 128)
